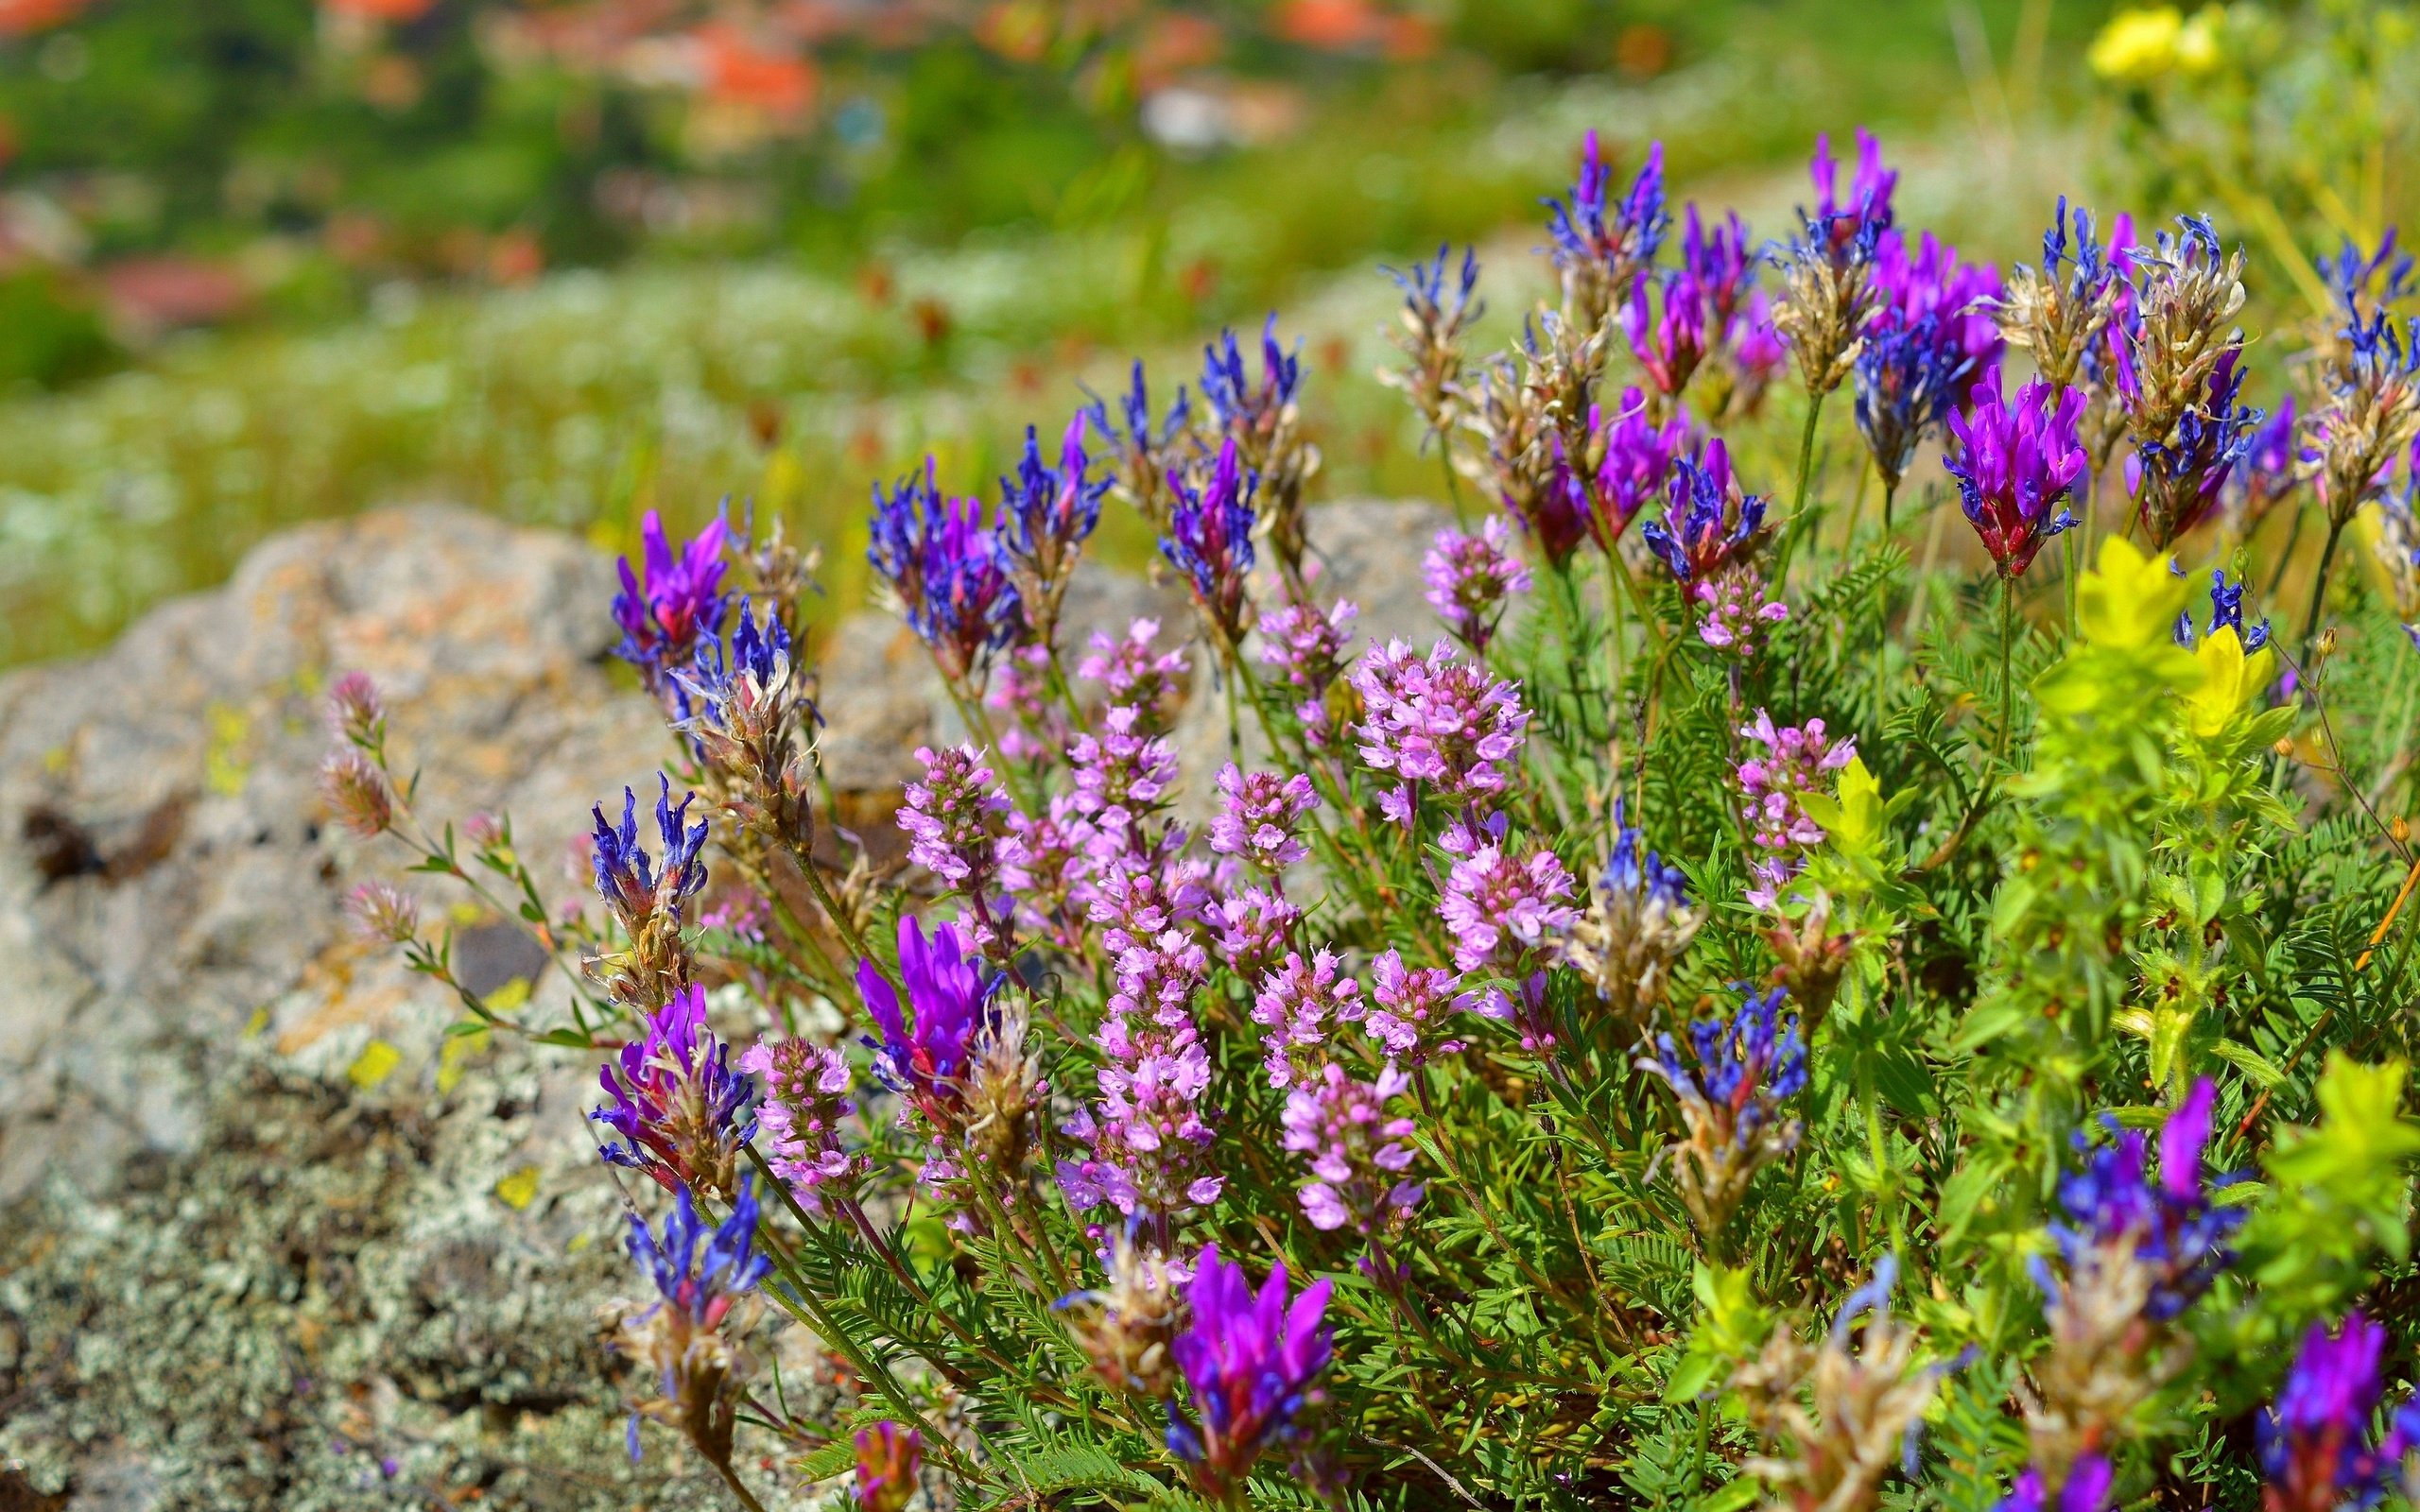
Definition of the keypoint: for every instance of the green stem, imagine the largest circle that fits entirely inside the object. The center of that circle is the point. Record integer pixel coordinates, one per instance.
(2008, 684)
(2319, 589)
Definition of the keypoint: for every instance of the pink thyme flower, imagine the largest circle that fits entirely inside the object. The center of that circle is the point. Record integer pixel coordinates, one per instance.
(1047, 865)
(1293, 1008)
(1437, 720)
(953, 817)
(1410, 1004)
(1036, 728)
(1357, 1153)
(1256, 930)
(1148, 1134)
(1471, 577)
(1134, 675)
(1795, 760)
(806, 1089)
(1306, 642)
(1258, 816)
(1500, 906)
(1122, 777)
(1735, 608)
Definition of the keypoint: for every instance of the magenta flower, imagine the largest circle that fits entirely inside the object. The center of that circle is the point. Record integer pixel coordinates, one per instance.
(1257, 815)
(1868, 204)
(1722, 264)
(806, 1087)
(1709, 524)
(662, 617)
(2085, 1489)
(2315, 1444)
(1796, 760)
(1409, 1008)
(1441, 720)
(1149, 1134)
(1209, 542)
(1471, 577)
(1295, 1008)
(1930, 283)
(891, 1459)
(947, 575)
(1671, 342)
(924, 1045)
(1256, 931)
(1637, 466)
(953, 817)
(1357, 1153)
(1500, 906)
(1123, 778)
(1732, 609)
(1251, 1365)
(681, 1110)
(1133, 672)
(2014, 465)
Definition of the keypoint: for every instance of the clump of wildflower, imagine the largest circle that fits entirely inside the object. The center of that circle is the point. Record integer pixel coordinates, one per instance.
(1635, 465)
(1929, 282)
(891, 1462)
(383, 912)
(1209, 542)
(1133, 672)
(1258, 816)
(679, 602)
(1251, 1366)
(1471, 578)
(2059, 310)
(1835, 1423)
(1928, 346)
(1045, 514)
(1600, 249)
(356, 792)
(1407, 1008)
(2316, 1449)
(647, 901)
(1357, 1155)
(1438, 309)
(1828, 291)
(1150, 1133)
(1709, 522)
(806, 1088)
(1732, 1102)
(2184, 474)
(1256, 931)
(2014, 465)
(1122, 777)
(690, 1339)
(1500, 906)
(944, 574)
(1145, 449)
(952, 819)
(1305, 645)
(749, 720)
(1797, 757)
(2135, 1250)
(1438, 721)
(681, 1111)
(1297, 1008)
(1126, 1326)
(1638, 922)
(1732, 609)
(927, 1039)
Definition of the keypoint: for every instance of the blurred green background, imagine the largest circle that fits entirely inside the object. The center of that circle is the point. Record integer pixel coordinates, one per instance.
(264, 261)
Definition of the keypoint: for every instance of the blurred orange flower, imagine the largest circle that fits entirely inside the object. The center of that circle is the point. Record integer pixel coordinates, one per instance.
(738, 70)
(19, 17)
(376, 9)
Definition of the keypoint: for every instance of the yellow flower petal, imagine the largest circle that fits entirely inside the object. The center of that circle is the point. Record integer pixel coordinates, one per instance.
(2138, 45)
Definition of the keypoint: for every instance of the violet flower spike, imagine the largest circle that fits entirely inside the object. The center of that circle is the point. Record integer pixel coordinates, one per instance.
(662, 617)
(925, 1041)
(1259, 812)
(1869, 201)
(1637, 466)
(2167, 1224)
(1671, 344)
(2183, 480)
(1709, 524)
(1407, 1010)
(681, 1111)
(2014, 464)
(1251, 1365)
(1209, 540)
(2315, 1446)
(2085, 1489)
(689, 1342)
(1237, 405)
(1599, 247)
(946, 574)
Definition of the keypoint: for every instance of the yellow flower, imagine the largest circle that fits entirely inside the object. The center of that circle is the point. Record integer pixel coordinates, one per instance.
(2229, 680)
(2197, 41)
(2129, 600)
(2138, 45)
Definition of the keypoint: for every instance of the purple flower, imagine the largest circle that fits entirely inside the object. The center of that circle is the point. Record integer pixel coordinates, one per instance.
(1305, 644)
(1722, 265)
(1145, 449)
(726, 690)
(626, 875)
(1599, 247)
(681, 1110)
(1637, 466)
(947, 575)
(1408, 1006)
(2183, 477)
(1470, 577)
(2167, 1225)
(1256, 931)
(1500, 906)
(890, 1461)
(1046, 863)
(806, 1088)
(1133, 672)
(1734, 608)
(2315, 1445)
(1930, 283)
(924, 1046)
(1122, 777)
(1251, 1365)
(1670, 345)
(2271, 464)
(952, 817)
(1045, 514)
(1709, 522)
(1295, 1007)
(663, 618)
(2014, 465)
(1259, 812)
(1149, 1135)
(1239, 407)
(2086, 1489)
(1745, 1067)
(1866, 212)
(1037, 721)
(2226, 613)
(1209, 540)
(689, 1339)
(1638, 922)
(1796, 759)
(1449, 723)
(1357, 1155)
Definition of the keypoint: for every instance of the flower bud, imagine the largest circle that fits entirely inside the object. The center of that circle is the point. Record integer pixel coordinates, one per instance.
(356, 712)
(888, 1460)
(356, 792)
(381, 912)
